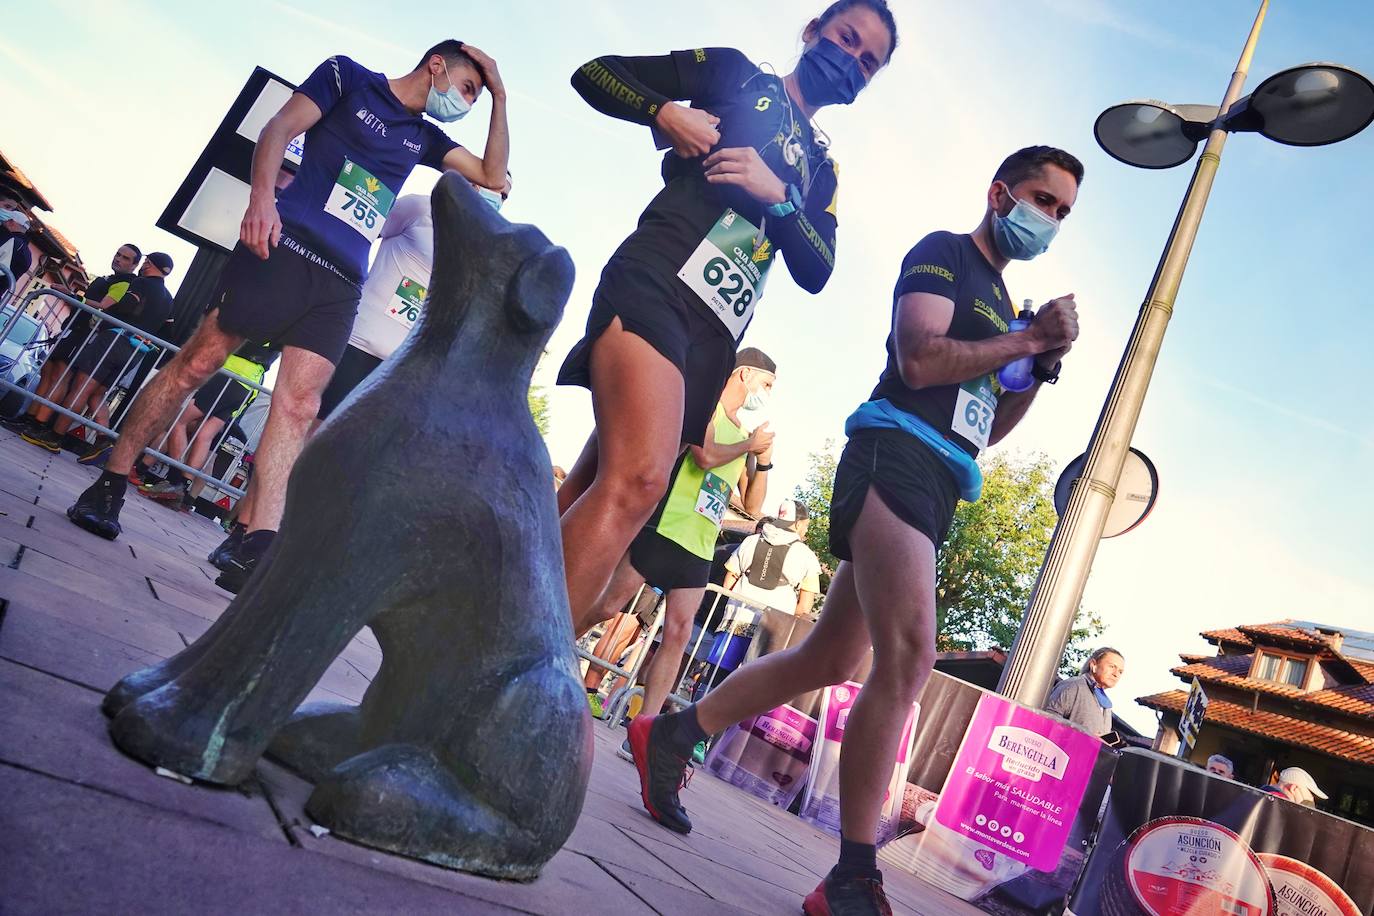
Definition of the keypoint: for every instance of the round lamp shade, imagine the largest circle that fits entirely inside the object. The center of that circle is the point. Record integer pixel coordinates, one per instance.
(1314, 104)
(1146, 134)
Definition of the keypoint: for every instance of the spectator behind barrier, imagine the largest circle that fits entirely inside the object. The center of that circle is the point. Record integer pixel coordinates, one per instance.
(1083, 699)
(1219, 765)
(1296, 785)
(775, 567)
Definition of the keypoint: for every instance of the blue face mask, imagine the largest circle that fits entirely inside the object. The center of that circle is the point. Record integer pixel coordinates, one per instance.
(493, 198)
(1024, 232)
(828, 75)
(447, 106)
(17, 216)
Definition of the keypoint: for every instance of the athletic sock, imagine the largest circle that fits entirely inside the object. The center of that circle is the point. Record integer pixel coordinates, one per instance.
(682, 731)
(175, 476)
(112, 481)
(857, 860)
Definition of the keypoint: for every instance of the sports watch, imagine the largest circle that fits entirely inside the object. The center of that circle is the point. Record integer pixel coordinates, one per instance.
(1048, 376)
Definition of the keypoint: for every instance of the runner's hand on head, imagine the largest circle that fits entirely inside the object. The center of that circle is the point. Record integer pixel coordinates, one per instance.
(491, 75)
(261, 226)
(691, 130)
(761, 440)
(1056, 325)
(743, 167)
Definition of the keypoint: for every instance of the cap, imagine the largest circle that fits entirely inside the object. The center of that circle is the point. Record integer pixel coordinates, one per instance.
(161, 260)
(754, 358)
(790, 512)
(1300, 777)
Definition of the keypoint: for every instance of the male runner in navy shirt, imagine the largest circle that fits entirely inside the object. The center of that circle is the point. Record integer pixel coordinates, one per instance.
(296, 274)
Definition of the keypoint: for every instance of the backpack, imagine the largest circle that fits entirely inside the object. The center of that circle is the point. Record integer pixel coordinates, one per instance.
(766, 570)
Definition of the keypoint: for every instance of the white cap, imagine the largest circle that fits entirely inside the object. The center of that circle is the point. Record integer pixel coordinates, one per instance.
(1300, 777)
(790, 512)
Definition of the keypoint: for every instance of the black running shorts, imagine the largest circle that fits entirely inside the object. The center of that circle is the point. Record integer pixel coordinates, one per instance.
(910, 479)
(108, 357)
(666, 564)
(223, 398)
(355, 366)
(67, 347)
(287, 299)
(656, 309)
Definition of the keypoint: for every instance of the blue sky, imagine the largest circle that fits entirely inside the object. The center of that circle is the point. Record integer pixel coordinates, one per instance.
(1258, 419)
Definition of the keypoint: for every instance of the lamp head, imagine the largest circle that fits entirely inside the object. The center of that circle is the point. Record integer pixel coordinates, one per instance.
(1153, 135)
(1311, 105)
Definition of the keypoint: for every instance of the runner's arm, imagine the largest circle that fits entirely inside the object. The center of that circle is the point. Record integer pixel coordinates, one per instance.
(805, 601)
(261, 226)
(631, 89)
(1011, 407)
(756, 491)
(729, 582)
(807, 237)
(926, 357)
(712, 454)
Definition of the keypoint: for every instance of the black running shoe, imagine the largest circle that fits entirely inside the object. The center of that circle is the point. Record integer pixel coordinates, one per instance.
(44, 437)
(661, 774)
(21, 424)
(221, 555)
(853, 896)
(243, 560)
(97, 510)
(98, 453)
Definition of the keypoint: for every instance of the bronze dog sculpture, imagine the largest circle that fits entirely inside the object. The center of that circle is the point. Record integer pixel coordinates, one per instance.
(424, 508)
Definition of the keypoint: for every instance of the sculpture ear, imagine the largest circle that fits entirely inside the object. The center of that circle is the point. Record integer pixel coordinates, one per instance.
(539, 290)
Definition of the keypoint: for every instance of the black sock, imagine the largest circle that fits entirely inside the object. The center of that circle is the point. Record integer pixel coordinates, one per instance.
(856, 859)
(175, 476)
(112, 481)
(682, 731)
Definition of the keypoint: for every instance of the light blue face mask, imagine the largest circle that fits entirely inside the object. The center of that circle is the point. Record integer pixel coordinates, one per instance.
(1024, 232)
(17, 216)
(493, 198)
(447, 106)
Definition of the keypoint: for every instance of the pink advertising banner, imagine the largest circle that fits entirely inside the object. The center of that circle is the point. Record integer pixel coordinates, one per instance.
(1017, 782)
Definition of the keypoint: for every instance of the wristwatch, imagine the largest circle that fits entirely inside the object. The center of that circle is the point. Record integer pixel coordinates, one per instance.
(1048, 376)
(791, 205)
(760, 468)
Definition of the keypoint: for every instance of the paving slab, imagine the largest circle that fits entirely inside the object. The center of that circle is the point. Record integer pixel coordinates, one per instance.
(68, 650)
(72, 850)
(56, 728)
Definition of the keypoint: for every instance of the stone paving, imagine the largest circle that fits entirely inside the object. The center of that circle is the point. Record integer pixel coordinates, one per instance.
(84, 829)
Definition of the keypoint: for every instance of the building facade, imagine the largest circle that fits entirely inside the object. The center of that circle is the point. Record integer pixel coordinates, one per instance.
(1291, 693)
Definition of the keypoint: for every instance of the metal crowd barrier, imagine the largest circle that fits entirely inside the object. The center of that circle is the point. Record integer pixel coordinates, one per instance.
(8, 293)
(131, 365)
(725, 602)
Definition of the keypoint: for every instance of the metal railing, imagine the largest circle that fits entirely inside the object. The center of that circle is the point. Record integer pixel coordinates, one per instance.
(138, 337)
(725, 602)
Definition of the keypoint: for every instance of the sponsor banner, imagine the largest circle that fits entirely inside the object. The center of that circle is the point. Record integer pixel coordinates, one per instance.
(767, 756)
(1178, 841)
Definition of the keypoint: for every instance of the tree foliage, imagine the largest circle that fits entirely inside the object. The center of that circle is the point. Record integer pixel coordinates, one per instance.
(987, 567)
(539, 408)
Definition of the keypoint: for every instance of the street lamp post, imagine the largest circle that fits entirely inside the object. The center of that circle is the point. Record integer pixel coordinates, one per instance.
(1305, 106)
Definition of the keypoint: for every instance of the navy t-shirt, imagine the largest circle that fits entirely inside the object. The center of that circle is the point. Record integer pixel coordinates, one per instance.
(951, 266)
(356, 158)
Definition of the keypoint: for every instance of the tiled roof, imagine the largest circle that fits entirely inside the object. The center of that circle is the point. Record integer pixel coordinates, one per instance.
(1190, 658)
(1333, 742)
(11, 172)
(1233, 671)
(1232, 635)
(1268, 633)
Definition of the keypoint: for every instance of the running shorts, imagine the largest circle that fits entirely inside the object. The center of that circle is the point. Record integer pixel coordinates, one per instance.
(665, 564)
(355, 366)
(223, 398)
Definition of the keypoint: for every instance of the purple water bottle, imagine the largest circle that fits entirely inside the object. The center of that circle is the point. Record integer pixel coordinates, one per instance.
(1016, 375)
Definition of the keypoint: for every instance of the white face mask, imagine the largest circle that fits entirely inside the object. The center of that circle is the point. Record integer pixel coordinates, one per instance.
(756, 397)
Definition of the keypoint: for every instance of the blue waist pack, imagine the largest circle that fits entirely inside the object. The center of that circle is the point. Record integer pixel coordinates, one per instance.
(881, 414)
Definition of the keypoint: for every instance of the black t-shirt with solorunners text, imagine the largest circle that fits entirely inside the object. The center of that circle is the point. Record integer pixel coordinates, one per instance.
(950, 265)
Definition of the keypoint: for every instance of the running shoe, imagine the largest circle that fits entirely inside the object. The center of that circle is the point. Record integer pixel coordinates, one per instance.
(21, 424)
(856, 896)
(661, 774)
(164, 491)
(221, 555)
(241, 563)
(44, 437)
(98, 453)
(97, 510)
(594, 701)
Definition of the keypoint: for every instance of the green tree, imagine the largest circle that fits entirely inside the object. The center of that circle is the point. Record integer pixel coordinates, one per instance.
(815, 493)
(987, 567)
(539, 408)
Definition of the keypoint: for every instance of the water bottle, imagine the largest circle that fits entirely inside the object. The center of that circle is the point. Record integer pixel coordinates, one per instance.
(1016, 375)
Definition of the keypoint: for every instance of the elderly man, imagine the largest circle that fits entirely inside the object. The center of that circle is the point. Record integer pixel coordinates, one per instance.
(1296, 785)
(1083, 699)
(1219, 765)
